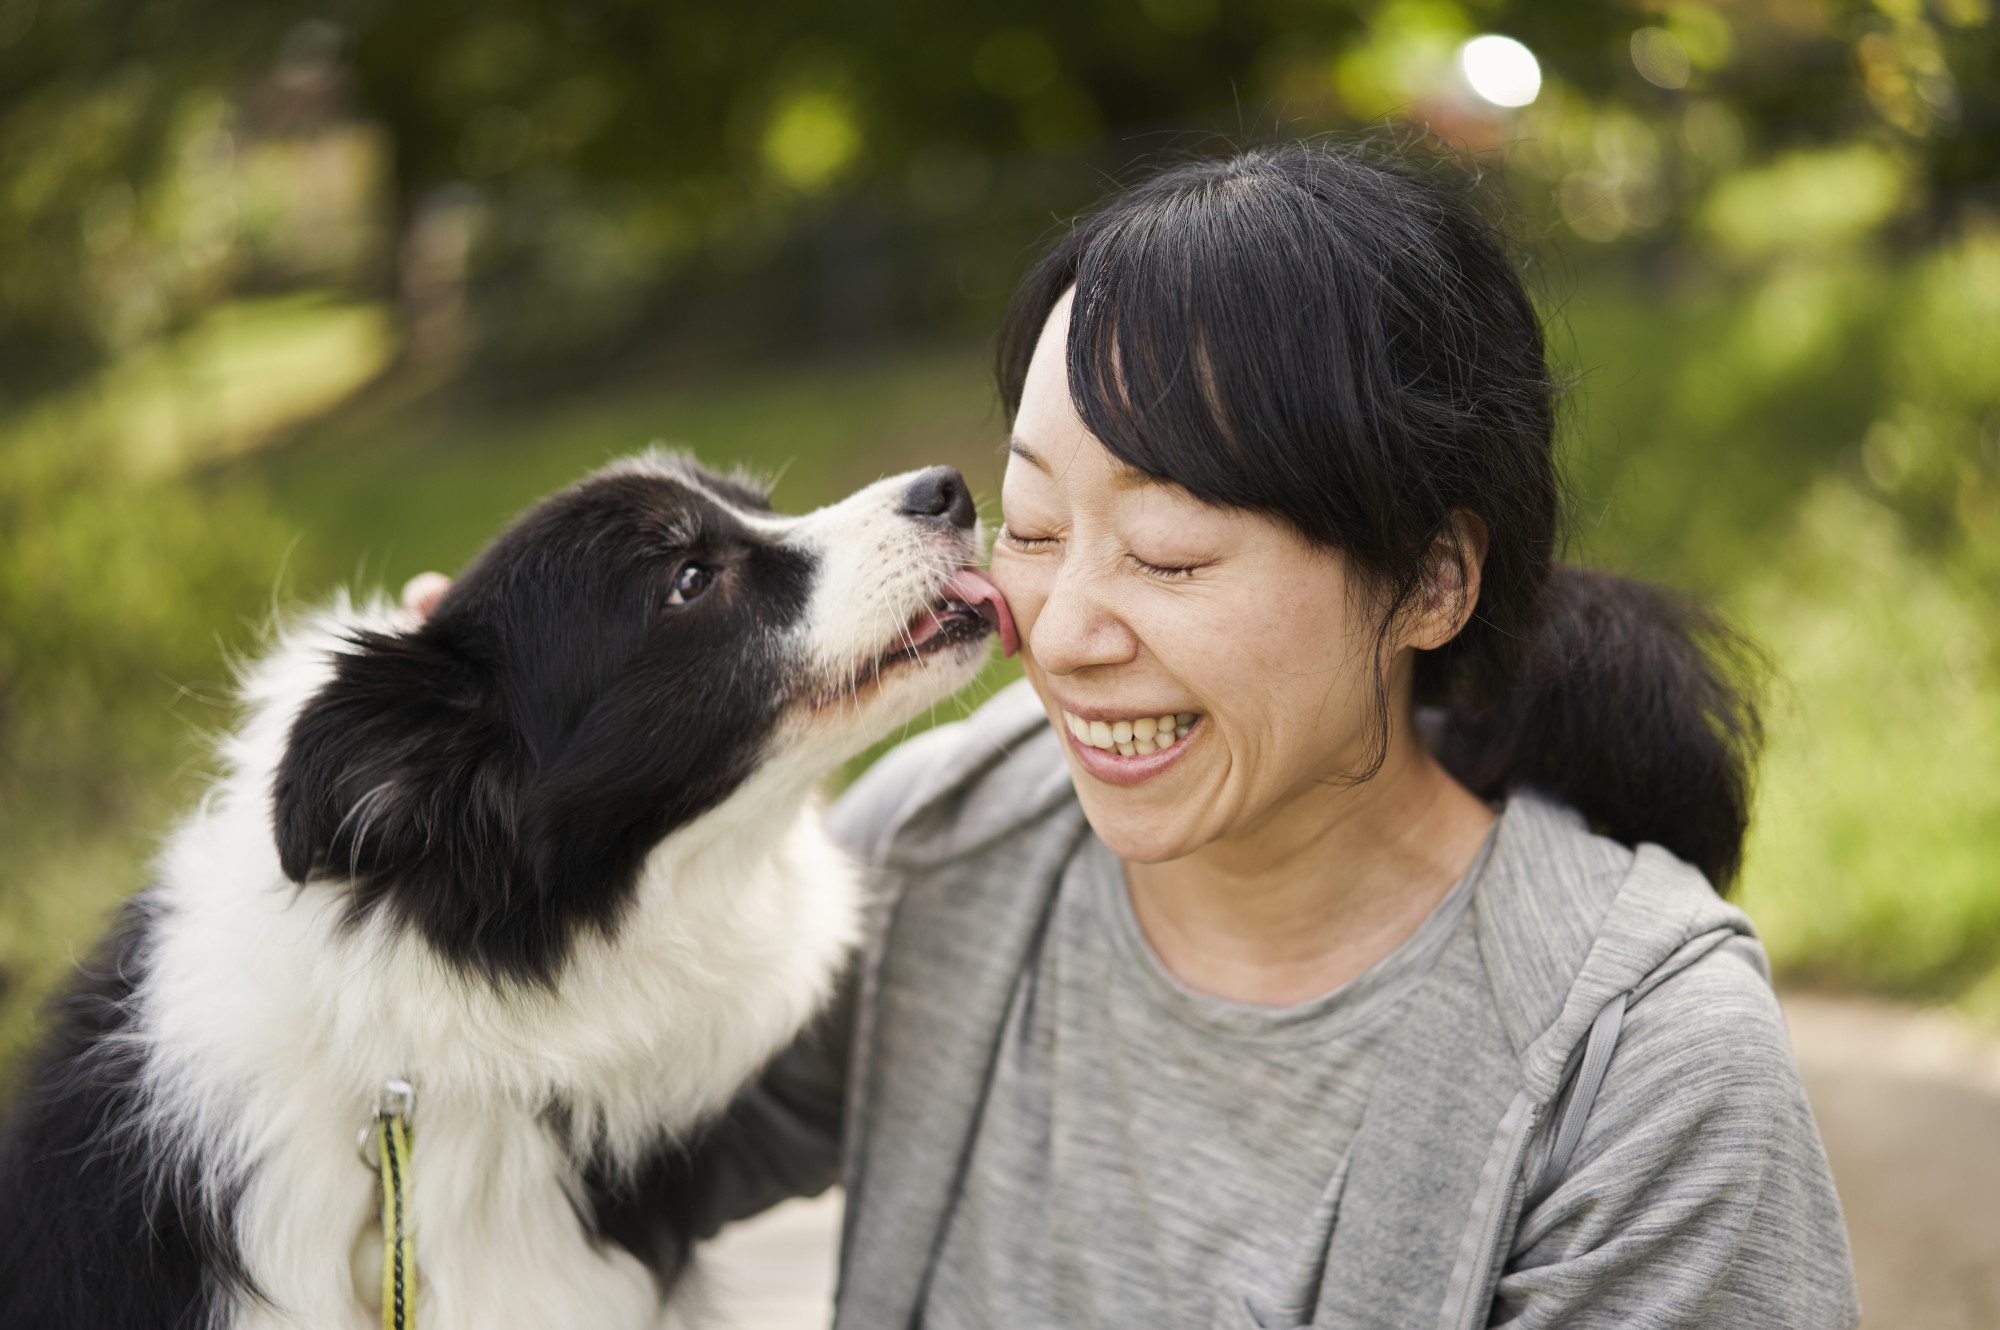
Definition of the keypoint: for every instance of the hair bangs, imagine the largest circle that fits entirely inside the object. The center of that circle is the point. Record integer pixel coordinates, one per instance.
(1209, 348)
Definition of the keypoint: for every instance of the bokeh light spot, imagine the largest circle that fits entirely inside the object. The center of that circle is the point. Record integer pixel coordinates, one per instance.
(1660, 58)
(1501, 70)
(811, 140)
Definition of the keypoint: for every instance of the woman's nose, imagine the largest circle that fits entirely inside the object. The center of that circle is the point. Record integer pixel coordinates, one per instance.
(940, 494)
(1075, 629)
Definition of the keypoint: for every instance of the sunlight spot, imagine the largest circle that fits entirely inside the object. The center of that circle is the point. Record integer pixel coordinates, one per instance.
(1501, 70)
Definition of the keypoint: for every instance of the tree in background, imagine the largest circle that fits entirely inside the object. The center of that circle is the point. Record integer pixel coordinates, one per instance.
(623, 168)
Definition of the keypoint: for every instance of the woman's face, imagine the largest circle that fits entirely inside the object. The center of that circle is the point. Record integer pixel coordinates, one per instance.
(1136, 602)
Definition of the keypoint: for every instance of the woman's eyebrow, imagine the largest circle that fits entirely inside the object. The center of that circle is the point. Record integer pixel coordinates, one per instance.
(1026, 454)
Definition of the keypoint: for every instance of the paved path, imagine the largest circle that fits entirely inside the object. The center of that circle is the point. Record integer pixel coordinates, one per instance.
(776, 1271)
(1908, 1102)
(1909, 1106)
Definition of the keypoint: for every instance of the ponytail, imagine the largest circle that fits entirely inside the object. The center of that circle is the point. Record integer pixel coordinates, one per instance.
(1634, 704)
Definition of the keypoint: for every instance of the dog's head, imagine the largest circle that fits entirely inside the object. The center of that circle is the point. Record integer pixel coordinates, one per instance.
(618, 663)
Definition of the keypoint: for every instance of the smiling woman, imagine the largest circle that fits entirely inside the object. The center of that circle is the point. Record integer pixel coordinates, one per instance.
(1323, 933)
(1263, 654)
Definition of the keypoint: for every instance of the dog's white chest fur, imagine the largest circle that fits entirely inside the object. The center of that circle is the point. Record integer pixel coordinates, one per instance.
(271, 1026)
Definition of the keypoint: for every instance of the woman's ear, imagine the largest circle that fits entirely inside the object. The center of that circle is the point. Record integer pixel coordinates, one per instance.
(1450, 590)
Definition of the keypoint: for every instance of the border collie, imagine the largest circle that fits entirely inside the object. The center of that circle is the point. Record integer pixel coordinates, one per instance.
(551, 855)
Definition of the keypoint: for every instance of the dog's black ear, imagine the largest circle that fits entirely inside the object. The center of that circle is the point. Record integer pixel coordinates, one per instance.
(395, 769)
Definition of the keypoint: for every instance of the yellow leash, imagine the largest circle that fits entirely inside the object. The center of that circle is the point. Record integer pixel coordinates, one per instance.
(390, 1133)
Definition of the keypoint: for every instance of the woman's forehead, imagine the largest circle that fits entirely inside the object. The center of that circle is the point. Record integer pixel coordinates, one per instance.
(1049, 436)
(1046, 405)
(1058, 461)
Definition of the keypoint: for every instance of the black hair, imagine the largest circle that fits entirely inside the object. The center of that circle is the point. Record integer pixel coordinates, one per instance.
(1335, 336)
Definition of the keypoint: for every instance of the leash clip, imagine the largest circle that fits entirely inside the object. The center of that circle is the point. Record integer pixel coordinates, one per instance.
(396, 1099)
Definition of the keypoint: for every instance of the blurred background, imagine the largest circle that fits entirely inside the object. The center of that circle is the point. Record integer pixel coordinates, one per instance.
(301, 296)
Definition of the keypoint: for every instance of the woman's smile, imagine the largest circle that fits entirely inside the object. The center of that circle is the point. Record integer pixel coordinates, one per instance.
(1127, 751)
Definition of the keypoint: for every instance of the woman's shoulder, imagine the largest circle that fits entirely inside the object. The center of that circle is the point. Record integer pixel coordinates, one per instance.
(1699, 1186)
(1568, 920)
(957, 786)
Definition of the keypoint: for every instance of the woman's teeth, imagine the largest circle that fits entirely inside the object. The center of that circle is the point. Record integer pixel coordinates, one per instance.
(1131, 738)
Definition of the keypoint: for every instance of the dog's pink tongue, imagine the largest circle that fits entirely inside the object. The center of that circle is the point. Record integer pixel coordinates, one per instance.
(976, 589)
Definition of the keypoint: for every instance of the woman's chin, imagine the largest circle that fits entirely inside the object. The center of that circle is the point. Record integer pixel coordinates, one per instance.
(1152, 838)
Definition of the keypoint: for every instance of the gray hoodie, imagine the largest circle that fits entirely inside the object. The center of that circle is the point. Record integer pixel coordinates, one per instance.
(1697, 1193)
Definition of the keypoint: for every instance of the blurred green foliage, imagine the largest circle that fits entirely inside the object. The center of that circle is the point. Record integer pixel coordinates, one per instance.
(296, 296)
(547, 184)
(117, 590)
(1820, 447)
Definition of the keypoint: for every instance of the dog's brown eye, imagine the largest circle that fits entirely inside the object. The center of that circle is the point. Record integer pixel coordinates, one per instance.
(690, 582)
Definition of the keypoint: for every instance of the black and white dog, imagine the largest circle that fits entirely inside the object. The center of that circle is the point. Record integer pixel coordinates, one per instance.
(551, 855)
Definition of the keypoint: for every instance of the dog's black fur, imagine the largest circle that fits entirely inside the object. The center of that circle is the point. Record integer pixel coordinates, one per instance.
(521, 730)
(92, 1232)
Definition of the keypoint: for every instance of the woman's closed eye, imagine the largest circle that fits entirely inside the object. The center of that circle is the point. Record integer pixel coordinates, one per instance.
(1169, 572)
(1023, 542)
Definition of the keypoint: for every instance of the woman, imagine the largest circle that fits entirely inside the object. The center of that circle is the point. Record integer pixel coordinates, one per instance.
(1320, 935)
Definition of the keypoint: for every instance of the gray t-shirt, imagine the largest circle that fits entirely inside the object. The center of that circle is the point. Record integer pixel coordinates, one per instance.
(1147, 1155)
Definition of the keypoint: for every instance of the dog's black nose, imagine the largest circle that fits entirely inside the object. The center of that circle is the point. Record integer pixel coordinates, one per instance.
(941, 492)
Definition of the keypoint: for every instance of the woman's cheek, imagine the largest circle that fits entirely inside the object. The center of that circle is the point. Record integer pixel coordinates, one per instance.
(1023, 584)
